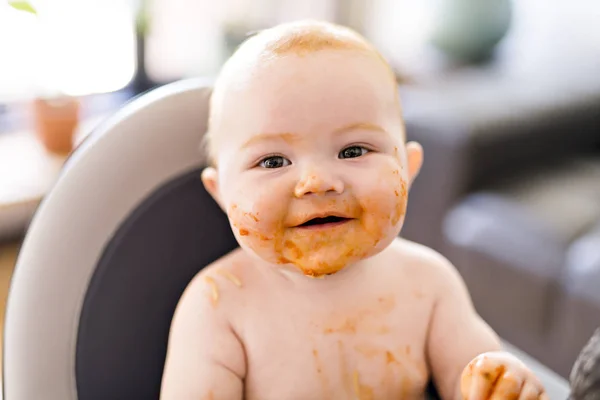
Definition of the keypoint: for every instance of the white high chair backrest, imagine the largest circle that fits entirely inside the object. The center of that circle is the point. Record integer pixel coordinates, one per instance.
(109, 252)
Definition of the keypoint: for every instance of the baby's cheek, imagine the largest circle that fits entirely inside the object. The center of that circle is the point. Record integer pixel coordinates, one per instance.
(401, 201)
(252, 224)
(386, 202)
(376, 218)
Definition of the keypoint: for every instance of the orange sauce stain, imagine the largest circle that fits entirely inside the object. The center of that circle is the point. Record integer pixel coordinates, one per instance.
(389, 357)
(343, 368)
(510, 388)
(236, 281)
(382, 330)
(282, 260)
(356, 383)
(316, 356)
(406, 387)
(349, 326)
(310, 39)
(244, 232)
(296, 252)
(367, 320)
(320, 373)
(368, 350)
(480, 367)
(310, 273)
(251, 215)
(366, 392)
(289, 137)
(401, 205)
(407, 350)
(363, 392)
(214, 290)
(495, 379)
(387, 303)
(209, 396)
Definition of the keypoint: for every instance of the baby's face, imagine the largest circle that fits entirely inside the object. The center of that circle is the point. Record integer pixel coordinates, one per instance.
(312, 166)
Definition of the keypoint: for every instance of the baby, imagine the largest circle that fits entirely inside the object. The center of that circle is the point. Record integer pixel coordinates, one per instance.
(322, 300)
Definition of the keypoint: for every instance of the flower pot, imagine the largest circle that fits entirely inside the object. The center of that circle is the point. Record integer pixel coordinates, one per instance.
(56, 120)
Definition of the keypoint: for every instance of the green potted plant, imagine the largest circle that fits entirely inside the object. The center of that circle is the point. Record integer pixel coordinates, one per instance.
(55, 115)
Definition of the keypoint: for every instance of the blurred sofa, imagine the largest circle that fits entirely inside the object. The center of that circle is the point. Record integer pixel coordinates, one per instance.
(510, 193)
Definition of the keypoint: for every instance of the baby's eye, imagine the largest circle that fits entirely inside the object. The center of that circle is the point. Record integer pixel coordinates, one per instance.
(274, 162)
(353, 152)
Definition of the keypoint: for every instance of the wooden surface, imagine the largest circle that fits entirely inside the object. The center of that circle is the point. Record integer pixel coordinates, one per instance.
(8, 256)
(27, 172)
(27, 169)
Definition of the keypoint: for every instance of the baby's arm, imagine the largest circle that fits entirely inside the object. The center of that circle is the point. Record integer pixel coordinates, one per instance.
(462, 347)
(205, 359)
(456, 334)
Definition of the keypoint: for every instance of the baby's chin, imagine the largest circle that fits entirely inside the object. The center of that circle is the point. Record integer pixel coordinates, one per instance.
(319, 264)
(321, 269)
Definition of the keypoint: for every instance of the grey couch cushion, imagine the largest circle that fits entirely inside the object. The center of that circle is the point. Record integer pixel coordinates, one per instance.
(509, 265)
(564, 199)
(582, 272)
(578, 312)
(520, 249)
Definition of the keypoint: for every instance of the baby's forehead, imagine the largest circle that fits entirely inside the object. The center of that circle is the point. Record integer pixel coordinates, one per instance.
(269, 58)
(313, 85)
(299, 39)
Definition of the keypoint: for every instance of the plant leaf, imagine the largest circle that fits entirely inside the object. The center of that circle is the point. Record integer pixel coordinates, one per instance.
(22, 5)
(142, 20)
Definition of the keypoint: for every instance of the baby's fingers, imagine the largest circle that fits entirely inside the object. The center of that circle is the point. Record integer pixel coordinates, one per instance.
(508, 387)
(530, 392)
(480, 388)
(484, 380)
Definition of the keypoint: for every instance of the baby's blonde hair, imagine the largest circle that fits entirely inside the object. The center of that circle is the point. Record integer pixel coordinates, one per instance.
(297, 38)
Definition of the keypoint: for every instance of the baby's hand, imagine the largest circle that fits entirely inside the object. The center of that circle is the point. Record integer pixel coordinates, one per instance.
(499, 375)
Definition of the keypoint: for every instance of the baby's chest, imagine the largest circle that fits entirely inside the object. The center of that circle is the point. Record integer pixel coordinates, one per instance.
(364, 353)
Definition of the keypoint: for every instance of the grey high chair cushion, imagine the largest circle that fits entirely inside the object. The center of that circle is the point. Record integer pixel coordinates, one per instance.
(110, 251)
(124, 322)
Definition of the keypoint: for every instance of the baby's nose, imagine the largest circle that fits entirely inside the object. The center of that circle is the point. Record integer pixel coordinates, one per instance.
(320, 182)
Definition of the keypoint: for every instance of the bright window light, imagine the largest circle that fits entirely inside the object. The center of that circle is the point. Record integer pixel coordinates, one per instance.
(77, 47)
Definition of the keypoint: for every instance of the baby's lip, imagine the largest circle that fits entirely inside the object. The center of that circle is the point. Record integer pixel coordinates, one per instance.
(322, 217)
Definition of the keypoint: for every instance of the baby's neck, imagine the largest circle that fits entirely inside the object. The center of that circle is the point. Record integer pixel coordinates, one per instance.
(349, 275)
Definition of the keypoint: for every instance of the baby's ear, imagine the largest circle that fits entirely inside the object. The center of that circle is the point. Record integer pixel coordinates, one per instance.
(210, 179)
(414, 156)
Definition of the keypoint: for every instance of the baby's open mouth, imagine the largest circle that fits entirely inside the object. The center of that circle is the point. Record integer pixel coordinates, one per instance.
(324, 222)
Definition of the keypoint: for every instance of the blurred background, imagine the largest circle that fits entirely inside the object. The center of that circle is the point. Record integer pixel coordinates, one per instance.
(504, 96)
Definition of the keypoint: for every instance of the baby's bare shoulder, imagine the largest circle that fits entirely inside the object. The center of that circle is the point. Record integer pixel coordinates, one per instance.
(417, 264)
(220, 283)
